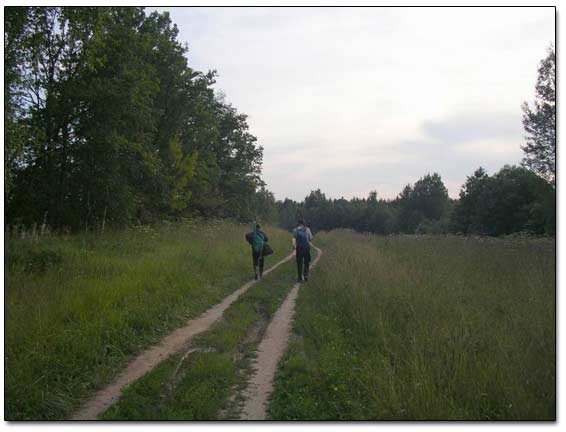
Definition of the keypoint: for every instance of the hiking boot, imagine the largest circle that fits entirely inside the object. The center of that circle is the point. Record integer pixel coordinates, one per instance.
(255, 276)
(306, 278)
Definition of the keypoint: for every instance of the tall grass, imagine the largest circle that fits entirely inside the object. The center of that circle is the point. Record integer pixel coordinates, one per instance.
(423, 328)
(78, 307)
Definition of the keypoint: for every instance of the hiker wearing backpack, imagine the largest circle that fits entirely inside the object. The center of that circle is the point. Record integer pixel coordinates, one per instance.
(302, 237)
(258, 240)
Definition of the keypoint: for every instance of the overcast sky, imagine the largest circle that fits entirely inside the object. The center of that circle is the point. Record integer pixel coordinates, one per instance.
(351, 100)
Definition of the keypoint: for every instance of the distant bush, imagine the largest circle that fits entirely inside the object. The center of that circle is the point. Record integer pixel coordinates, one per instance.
(428, 226)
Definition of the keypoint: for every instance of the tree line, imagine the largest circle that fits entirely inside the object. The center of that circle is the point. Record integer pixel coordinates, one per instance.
(106, 123)
(510, 201)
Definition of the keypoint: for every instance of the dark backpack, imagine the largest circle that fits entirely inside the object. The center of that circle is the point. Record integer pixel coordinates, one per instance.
(302, 238)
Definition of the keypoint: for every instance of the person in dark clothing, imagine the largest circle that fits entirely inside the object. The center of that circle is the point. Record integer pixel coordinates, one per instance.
(257, 238)
(302, 237)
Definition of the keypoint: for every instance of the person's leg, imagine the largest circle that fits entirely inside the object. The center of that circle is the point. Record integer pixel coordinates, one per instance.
(255, 258)
(261, 267)
(307, 258)
(299, 264)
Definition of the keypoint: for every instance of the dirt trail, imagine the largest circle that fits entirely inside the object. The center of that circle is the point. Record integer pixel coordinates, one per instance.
(151, 357)
(270, 351)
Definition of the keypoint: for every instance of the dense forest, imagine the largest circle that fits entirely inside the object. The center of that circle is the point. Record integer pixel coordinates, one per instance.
(106, 124)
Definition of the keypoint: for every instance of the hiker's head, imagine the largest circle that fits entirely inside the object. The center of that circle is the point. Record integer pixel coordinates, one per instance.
(258, 226)
(300, 222)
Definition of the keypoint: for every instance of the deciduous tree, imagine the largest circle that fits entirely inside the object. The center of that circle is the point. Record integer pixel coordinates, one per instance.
(539, 122)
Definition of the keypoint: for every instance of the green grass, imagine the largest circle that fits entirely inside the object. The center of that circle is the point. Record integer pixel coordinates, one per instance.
(199, 387)
(194, 392)
(419, 327)
(407, 327)
(77, 308)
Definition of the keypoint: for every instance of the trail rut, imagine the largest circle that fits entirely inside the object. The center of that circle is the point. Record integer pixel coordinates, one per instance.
(270, 350)
(154, 355)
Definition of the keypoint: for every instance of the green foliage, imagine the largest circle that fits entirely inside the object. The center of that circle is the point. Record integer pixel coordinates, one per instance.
(14, 138)
(423, 328)
(265, 205)
(183, 170)
(105, 120)
(424, 207)
(465, 218)
(512, 200)
(287, 211)
(427, 200)
(539, 122)
(78, 307)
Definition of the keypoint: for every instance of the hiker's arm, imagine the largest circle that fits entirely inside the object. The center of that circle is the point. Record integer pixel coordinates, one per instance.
(294, 240)
(265, 239)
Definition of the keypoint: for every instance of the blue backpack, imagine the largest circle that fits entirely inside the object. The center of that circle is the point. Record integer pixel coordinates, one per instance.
(302, 238)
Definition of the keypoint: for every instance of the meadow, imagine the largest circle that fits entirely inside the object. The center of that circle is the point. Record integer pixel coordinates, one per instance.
(423, 328)
(386, 328)
(77, 308)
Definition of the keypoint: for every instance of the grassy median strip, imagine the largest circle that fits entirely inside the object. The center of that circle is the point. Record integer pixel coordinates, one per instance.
(199, 386)
(78, 308)
(419, 327)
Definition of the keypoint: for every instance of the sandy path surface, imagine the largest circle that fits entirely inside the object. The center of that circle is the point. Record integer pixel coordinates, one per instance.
(151, 357)
(270, 350)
